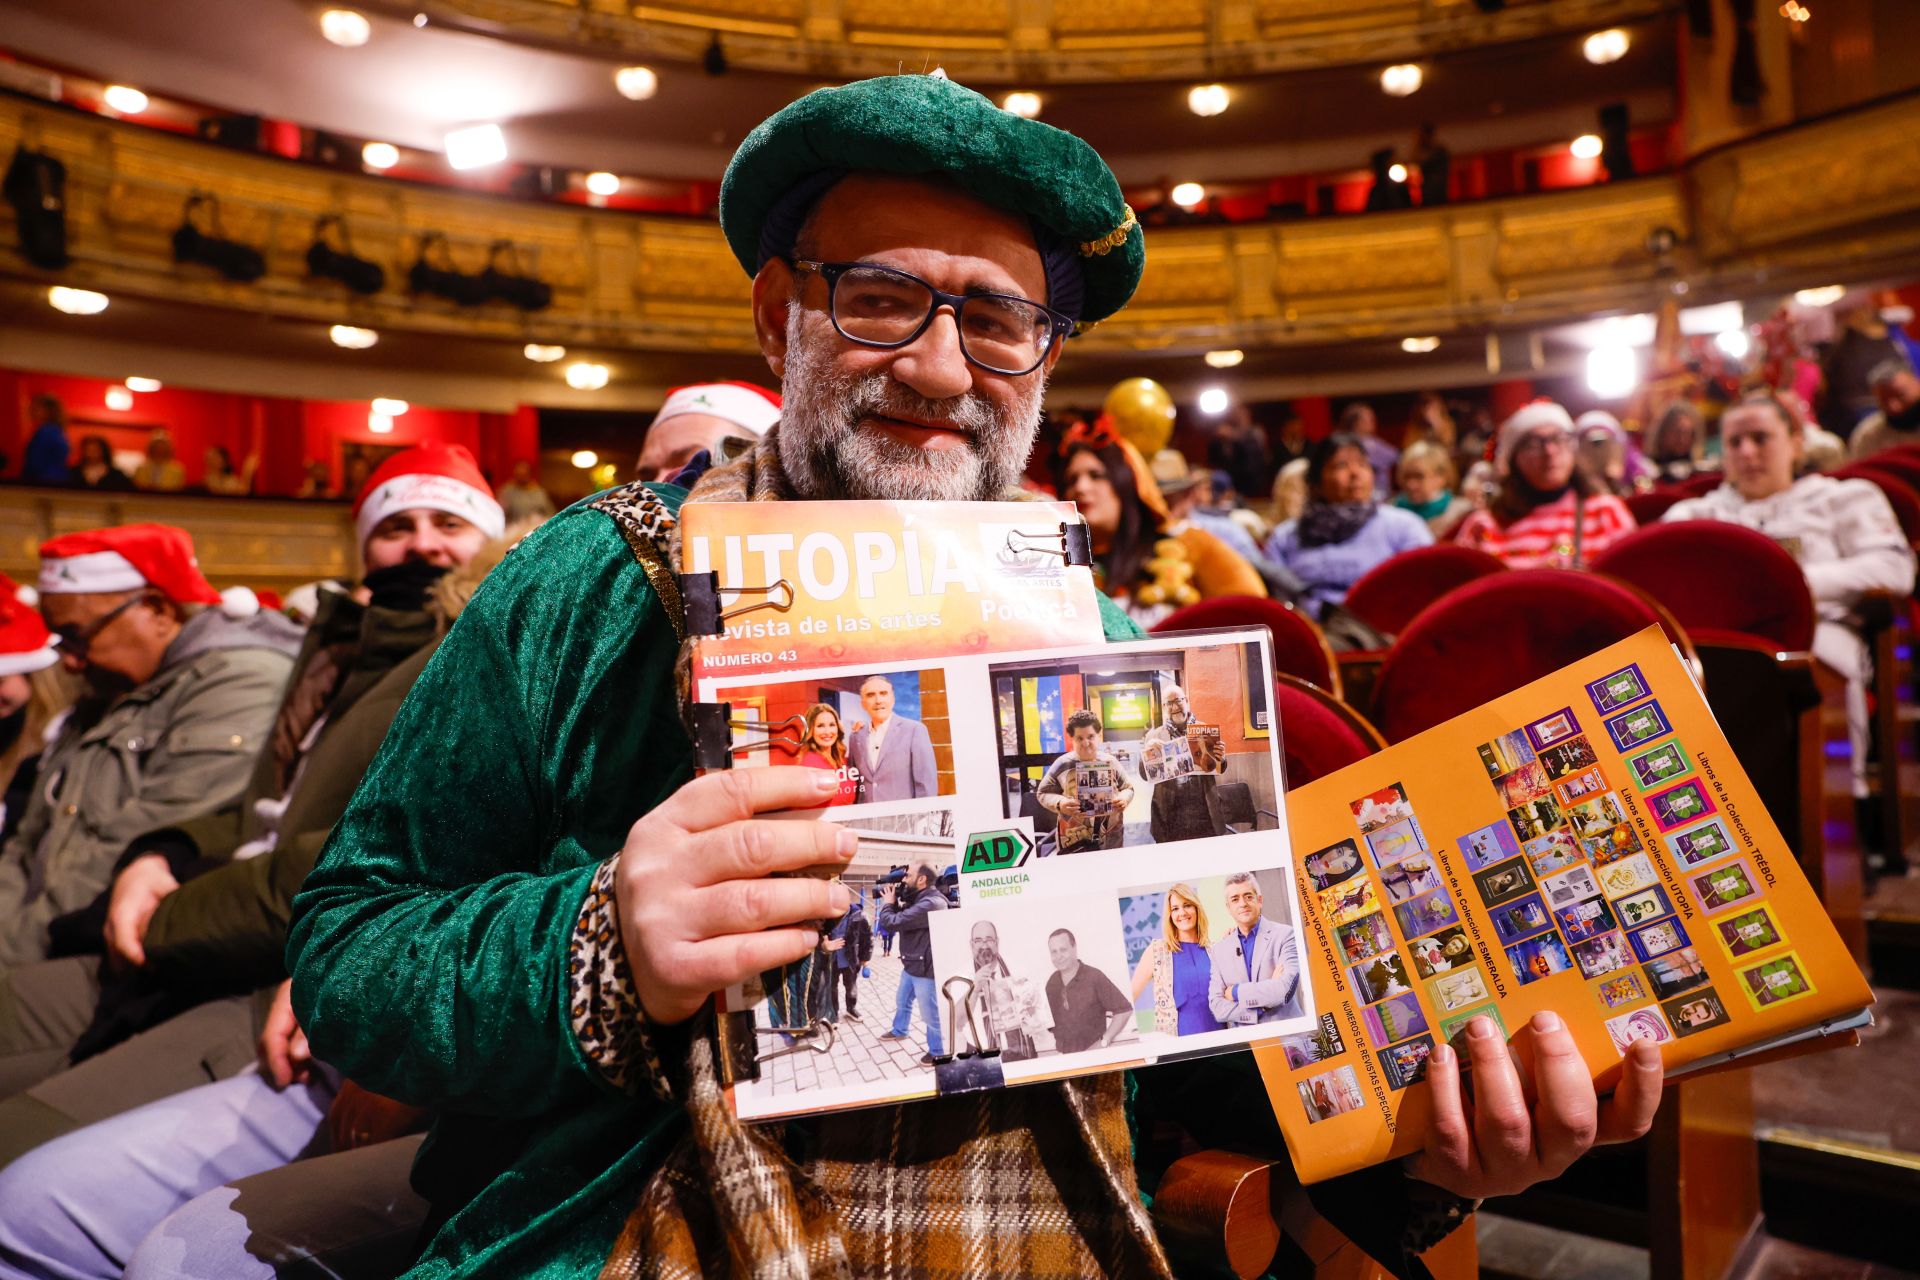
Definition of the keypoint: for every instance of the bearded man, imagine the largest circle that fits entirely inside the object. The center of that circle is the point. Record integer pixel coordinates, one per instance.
(525, 912)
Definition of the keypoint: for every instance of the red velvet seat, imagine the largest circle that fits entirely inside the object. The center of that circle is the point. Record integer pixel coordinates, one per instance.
(1648, 507)
(1494, 635)
(1319, 734)
(1298, 647)
(1900, 462)
(1699, 482)
(1901, 494)
(1389, 595)
(1718, 578)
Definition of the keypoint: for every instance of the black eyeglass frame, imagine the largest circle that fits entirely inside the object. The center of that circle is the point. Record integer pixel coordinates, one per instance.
(1059, 327)
(75, 641)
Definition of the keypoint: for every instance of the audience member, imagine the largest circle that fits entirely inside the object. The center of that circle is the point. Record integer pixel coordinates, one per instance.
(1239, 448)
(1358, 422)
(1435, 163)
(1609, 456)
(95, 470)
(522, 496)
(1430, 420)
(1427, 478)
(32, 693)
(1547, 512)
(701, 419)
(1842, 532)
(317, 482)
(1386, 194)
(1085, 821)
(1344, 530)
(47, 447)
(162, 471)
(1864, 344)
(220, 476)
(1676, 445)
(353, 480)
(1143, 563)
(1896, 420)
(1291, 442)
(129, 607)
(85, 1201)
(1290, 491)
(1188, 493)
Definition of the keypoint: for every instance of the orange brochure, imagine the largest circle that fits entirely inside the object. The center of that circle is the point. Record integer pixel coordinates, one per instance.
(1588, 844)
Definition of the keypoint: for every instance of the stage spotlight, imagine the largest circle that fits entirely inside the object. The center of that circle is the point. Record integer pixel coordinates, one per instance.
(1214, 400)
(603, 184)
(1586, 147)
(1188, 195)
(1420, 346)
(119, 399)
(1225, 359)
(1607, 46)
(585, 459)
(144, 385)
(1022, 103)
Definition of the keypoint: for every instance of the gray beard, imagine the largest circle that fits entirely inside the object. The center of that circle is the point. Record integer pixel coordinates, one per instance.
(826, 456)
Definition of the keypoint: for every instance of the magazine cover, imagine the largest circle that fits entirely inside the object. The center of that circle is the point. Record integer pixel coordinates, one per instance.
(1587, 844)
(1081, 916)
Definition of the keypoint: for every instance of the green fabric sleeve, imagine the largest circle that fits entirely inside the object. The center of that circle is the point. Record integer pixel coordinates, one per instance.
(429, 947)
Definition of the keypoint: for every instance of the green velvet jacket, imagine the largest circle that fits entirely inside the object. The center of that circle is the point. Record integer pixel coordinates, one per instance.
(429, 947)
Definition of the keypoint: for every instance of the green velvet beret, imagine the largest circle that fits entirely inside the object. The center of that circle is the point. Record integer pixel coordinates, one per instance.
(927, 125)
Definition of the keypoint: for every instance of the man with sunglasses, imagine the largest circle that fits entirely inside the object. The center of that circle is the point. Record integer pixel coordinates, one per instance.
(177, 698)
(526, 910)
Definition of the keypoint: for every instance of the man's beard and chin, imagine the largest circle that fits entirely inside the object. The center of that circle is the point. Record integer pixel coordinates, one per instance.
(826, 455)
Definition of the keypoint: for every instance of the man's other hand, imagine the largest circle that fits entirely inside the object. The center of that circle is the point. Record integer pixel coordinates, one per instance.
(284, 1056)
(137, 892)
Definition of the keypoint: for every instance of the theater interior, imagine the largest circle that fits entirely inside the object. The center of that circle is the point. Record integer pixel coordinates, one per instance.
(256, 248)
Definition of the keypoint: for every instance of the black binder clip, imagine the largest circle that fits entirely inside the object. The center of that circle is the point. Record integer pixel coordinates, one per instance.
(971, 1069)
(705, 617)
(1073, 544)
(712, 726)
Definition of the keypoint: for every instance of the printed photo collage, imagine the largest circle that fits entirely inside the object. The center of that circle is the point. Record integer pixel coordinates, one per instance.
(1069, 862)
(1570, 885)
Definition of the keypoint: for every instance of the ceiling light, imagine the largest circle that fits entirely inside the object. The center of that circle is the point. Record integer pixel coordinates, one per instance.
(583, 375)
(1420, 346)
(636, 83)
(379, 423)
(127, 101)
(1022, 103)
(585, 459)
(380, 155)
(76, 302)
(1793, 11)
(1208, 99)
(419, 20)
(1397, 173)
(476, 146)
(1401, 79)
(603, 184)
(345, 335)
(1586, 147)
(119, 399)
(1225, 359)
(143, 385)
(345, 28)
(1188, 194)
(1824, 296)
(1603, 47)
(540, 353)
(1612, 372)
(392, 408)
(1734, 342)
(1214, 400)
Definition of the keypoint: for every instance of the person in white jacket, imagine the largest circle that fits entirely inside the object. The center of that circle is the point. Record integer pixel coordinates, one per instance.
(1843, 533)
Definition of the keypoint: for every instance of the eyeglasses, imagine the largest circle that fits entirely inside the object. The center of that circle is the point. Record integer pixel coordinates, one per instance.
(1541, 444)
(877, 306)
(75, 639)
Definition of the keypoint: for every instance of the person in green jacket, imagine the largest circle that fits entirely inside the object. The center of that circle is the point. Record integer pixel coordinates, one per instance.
(196, 916)
(523, 915)
(179, 695)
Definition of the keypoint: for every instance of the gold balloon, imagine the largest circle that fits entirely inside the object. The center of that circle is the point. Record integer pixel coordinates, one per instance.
(1142, 412)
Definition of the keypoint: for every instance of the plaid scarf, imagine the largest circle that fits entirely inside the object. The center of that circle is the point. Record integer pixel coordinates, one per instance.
(1035, 1181)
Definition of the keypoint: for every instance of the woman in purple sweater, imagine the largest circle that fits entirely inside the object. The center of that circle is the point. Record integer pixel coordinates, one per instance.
(1343, 532)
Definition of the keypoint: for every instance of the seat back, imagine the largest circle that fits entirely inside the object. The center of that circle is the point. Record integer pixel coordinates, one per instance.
(1319, 734)
(1298, 647)
(1392, 593)
(1700, 482)
(1901, 462)
(1718, 577)
(1648, 507)
(1901, 495)
(1496, 634)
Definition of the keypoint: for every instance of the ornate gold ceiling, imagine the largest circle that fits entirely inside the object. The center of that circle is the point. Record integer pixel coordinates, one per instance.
(1035, 41)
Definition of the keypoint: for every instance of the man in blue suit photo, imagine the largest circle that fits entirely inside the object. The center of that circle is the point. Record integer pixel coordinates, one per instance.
(893, 754)
(1256, 964)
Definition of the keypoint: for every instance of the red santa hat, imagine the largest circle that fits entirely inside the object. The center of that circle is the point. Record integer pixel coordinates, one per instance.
(438, 477)
(752, 409)
(25, 643)
(1535, 415)
(126, 557)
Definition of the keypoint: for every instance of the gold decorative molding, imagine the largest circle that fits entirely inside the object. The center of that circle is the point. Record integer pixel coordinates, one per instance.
(1824, 201)
(1033, 41)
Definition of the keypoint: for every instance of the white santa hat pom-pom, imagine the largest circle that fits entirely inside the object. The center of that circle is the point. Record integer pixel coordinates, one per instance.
(28, 597)
(239, 603)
